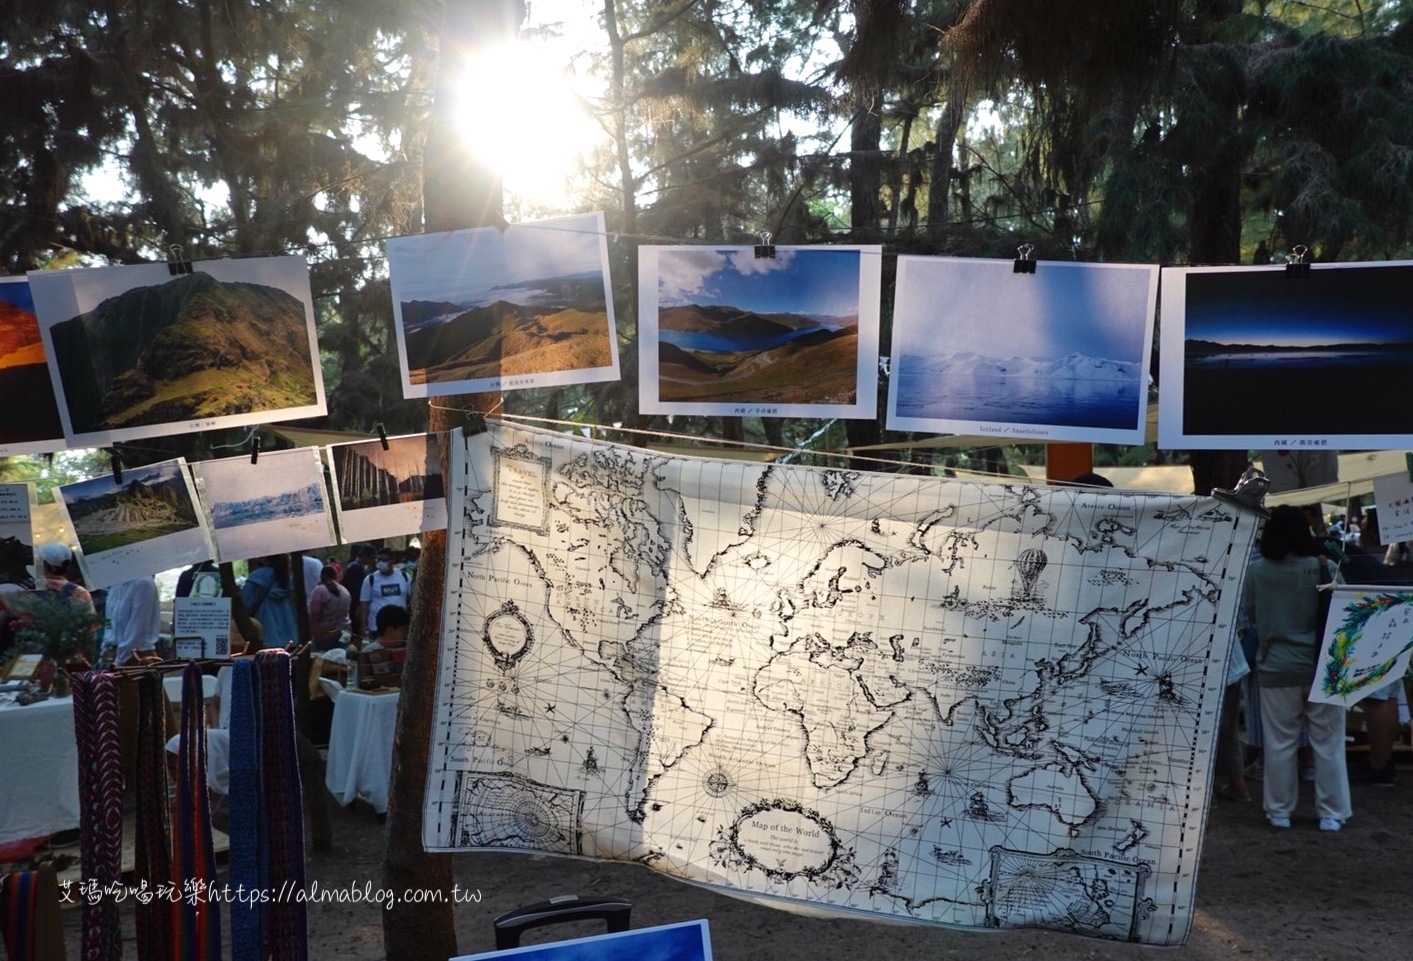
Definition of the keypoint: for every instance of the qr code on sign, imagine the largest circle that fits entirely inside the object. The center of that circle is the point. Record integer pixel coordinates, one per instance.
(223, 645)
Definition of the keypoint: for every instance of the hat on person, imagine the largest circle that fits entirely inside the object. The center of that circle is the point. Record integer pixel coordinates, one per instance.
(54, 554)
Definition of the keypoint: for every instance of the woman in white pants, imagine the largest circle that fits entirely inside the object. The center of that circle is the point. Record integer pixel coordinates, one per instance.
(1280, 598)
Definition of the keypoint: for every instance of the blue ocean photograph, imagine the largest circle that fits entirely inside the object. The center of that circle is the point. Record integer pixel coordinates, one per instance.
(733, 328)
(1061, 354)
(1319, 358)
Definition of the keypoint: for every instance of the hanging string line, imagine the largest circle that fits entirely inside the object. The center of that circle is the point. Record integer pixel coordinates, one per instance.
(785, 452)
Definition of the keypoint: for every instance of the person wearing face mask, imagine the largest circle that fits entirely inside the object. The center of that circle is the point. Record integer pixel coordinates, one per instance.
(382, 586)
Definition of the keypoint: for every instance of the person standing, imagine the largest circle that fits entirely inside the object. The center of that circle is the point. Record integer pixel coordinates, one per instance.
(313, 573)
(268, 594)
(382, 587)
(1280, 598)
(329, 608)
(134, 614)
(356, 569)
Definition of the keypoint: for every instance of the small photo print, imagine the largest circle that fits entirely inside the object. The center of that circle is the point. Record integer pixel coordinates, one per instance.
(488, 309)
(387, 490)
(1058, 355)
(136, 352)
(1253, 359)
(31, 424)
(689, 941)
(274, 506)
(726, 332)
(148, 522)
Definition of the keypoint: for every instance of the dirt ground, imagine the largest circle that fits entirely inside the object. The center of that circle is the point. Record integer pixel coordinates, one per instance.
(1262, 894)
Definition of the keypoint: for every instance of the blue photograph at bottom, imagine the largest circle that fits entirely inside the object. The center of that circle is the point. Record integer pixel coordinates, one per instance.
(688, 941)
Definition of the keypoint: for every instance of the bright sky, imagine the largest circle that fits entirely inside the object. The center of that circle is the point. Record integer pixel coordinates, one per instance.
(1367, 304)
(982, 307)
(815, 281)
(464, 264)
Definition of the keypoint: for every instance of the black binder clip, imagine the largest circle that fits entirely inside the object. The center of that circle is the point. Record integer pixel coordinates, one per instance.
(383, 436)
(1295, 263)
(765, 250)
(176, 263)
(1023, 264)
(117, 467)
(475, 424)
(255, 450)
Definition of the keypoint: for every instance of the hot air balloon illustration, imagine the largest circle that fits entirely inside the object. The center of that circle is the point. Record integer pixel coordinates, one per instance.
(1030, 563)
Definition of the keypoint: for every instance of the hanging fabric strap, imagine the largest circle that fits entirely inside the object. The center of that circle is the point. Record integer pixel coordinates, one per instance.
(286, 918)
(29, 915)
(249, 856)
(100, 761)
(152, 859)
(196, 922)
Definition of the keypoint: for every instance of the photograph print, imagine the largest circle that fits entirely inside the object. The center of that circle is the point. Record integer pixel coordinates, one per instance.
(32, 424)
(274, 506)
(137, 352)
(1253, 358)
(490, 309)
(147, 522)
(687, 941)
(388, 492)
(1058, 355)
(725, 332)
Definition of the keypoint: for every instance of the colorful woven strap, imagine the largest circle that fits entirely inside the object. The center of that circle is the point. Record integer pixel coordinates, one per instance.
(196, 923)
(100, 761)
(29, 915)
(249, 856)
(153, 849)
(287, 932)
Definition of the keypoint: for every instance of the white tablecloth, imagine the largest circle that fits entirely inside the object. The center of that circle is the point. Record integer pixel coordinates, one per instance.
(361, 747)
(38, 770)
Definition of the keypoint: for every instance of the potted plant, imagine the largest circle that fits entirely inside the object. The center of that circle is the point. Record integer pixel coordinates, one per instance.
(59, 629)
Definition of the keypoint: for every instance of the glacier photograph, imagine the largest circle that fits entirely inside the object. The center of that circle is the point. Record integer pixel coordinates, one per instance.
(1058, 355)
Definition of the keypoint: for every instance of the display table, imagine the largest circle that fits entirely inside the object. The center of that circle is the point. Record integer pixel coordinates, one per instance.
(38, 770)
(361, 747)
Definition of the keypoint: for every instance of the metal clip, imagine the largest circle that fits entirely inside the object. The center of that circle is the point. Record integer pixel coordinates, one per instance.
(1295, 263)
(1023, 264)
(177, 265)
(765, 250)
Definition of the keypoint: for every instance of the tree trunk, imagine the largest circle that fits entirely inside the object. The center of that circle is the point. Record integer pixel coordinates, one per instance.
(459, 191)
(1215, 227)
(865, 172)
(939, 183)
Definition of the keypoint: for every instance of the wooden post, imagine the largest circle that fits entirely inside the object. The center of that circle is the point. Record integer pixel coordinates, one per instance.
(1066, 461)
(458, 191)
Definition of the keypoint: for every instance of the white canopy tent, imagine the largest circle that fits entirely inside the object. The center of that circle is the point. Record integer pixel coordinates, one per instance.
(1356, 479)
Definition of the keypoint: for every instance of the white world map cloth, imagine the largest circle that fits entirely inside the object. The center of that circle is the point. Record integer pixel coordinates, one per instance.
(980, 705)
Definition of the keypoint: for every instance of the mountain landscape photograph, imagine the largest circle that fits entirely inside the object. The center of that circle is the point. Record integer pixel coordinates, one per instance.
(1328, 351)
(485, 309)
(146, 349)
(727, 328)
(1060, 354)
(32, 425)
(149, 503)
